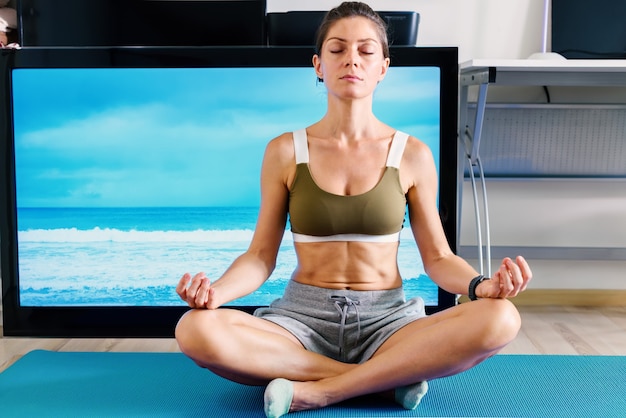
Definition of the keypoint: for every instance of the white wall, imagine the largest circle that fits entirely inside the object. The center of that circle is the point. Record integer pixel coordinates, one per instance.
(586, 215)
(480, 28)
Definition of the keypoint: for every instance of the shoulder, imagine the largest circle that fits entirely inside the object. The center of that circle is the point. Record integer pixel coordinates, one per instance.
(418, 165)
(416, 152)
(281, 148)
(279, 161)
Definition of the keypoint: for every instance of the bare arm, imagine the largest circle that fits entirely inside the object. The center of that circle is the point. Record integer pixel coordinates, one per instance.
(253, 267)
(448, 270)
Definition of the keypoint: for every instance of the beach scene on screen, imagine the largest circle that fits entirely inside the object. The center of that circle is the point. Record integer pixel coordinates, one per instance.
(128, 178)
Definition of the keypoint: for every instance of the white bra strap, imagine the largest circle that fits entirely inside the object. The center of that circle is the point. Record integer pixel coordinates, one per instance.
(397, 149)
(301, 146)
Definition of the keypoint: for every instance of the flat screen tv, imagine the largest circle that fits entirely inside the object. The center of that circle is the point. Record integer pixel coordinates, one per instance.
(124, 168)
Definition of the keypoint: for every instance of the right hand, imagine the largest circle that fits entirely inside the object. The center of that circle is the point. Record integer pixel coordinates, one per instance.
(196, 291)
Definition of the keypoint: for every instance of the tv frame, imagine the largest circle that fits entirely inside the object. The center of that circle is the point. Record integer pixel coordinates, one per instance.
(159, 321)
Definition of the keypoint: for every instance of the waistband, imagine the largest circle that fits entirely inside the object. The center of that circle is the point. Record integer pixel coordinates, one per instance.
(319, 296)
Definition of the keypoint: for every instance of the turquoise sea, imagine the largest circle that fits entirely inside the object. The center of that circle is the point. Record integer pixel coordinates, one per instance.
(135, 256)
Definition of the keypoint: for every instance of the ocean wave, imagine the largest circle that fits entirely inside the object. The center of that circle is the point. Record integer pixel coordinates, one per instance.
(67, 235)
(97, 234)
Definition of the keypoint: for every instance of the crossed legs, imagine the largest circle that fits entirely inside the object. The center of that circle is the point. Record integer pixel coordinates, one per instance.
(250, 350)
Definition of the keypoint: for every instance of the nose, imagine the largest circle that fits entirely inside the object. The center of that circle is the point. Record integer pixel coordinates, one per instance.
(352, 58)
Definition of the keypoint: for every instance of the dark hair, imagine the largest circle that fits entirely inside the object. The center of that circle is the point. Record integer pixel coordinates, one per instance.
(352, 9)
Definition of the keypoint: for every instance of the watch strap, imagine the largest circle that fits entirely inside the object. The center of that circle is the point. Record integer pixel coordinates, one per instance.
(474, 284)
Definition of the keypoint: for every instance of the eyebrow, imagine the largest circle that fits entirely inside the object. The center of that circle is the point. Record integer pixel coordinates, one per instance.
(358, 40)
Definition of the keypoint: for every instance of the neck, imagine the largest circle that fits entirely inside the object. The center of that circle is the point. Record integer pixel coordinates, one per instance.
(350, 120)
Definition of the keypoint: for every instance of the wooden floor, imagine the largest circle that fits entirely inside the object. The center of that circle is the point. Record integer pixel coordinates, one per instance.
(545, 330)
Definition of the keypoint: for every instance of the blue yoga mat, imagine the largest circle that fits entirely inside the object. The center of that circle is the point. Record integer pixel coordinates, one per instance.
(70, 384)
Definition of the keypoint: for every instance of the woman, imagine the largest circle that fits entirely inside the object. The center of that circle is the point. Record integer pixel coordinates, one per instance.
(343, 328)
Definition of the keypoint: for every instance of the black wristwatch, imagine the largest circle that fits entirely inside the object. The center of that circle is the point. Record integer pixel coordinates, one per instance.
(474, 284)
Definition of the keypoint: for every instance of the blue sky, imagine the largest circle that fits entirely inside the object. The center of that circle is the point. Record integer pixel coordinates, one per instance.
(177, 137)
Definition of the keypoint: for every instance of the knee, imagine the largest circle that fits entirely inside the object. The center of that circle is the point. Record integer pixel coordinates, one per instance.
(185, 330)
(191, 333)
(502, 322)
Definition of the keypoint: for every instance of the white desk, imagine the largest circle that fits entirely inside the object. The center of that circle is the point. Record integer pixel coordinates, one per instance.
(520, 72)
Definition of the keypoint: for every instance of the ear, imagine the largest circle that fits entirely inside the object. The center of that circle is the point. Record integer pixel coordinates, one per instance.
(384, 68)
(317, 65)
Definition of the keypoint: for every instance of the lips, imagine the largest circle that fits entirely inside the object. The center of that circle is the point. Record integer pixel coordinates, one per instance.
(351, 77)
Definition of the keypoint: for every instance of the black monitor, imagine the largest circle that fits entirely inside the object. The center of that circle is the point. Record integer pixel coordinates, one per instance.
(299, 27)
(589, 30)
(123, 168)
(141, 22)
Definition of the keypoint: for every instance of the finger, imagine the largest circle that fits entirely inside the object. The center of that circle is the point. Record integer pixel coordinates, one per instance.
(202, 295)
(527, 274)
(192, 289)
(196, 281)
(520, 275)
(505, 277)
(506, 283)
(181, 288)
(210, 303)
(517, 279)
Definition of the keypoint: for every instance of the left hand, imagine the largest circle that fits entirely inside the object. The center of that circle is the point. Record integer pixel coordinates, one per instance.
(508, 281)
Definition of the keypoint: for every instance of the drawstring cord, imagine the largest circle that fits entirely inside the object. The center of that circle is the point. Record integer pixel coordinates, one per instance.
(343, 304)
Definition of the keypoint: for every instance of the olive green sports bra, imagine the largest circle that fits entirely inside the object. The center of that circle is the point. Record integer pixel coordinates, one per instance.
(374, 216)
